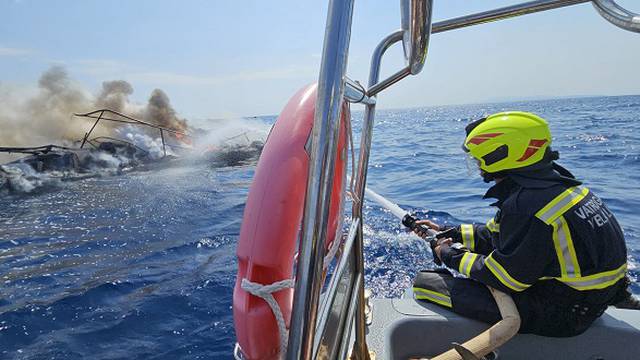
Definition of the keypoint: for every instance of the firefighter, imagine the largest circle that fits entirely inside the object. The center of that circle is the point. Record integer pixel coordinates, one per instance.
(553, 244)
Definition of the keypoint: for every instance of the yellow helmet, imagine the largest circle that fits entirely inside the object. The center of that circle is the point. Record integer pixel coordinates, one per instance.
(507, 140)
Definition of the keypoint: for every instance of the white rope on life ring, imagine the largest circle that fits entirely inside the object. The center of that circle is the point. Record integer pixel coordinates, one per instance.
(265, 292)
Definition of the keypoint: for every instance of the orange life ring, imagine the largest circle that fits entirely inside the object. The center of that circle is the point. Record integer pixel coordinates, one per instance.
(271, 222)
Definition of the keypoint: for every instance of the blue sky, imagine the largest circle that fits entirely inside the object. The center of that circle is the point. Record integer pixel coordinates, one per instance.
(243, 58)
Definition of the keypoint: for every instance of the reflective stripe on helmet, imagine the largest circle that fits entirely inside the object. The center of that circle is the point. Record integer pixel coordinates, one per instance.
(479, 139)
(436, 297)
(561, 204)
(502, 275)
(468, 239)
(466, 263)
(534, 146)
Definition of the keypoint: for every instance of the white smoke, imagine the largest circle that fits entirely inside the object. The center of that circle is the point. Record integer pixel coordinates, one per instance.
(46, 117)
(102, 160)
(145, 142)
(22, 178)
(231, 132)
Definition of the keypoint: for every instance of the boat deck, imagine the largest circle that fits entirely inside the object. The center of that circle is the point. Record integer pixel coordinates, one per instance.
(408, 328)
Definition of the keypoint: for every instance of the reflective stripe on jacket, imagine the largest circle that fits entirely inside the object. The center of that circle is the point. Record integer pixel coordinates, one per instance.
(555, 233)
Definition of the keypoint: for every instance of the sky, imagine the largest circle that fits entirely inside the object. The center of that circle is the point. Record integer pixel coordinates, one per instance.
(244, 58)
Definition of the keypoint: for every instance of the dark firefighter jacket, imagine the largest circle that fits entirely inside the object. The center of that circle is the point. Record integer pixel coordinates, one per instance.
(560, 233)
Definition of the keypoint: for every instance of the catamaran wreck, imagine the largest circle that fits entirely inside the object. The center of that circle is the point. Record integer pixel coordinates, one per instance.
(139, 145)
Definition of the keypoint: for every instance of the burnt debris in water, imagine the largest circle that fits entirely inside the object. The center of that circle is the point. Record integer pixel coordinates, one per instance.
(137, 149)
(121, 136)
(236, 154)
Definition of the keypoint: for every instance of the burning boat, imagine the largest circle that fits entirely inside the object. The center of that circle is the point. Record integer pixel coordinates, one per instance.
(139, 145)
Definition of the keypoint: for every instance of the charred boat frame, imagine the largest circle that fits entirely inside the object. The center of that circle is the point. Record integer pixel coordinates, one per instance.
(118, 117)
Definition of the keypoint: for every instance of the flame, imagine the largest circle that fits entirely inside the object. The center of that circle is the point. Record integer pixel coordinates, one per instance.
(185, 139)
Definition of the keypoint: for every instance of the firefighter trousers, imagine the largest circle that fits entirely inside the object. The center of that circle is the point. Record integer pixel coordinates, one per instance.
(544, 309)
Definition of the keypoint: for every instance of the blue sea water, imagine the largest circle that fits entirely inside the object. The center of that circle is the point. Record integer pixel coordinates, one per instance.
(143, 265)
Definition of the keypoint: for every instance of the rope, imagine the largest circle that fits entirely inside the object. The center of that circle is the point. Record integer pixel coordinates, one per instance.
(333, 249)
(265, 292)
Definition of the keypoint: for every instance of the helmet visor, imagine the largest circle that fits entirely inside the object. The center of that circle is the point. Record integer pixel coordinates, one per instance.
(473, 165)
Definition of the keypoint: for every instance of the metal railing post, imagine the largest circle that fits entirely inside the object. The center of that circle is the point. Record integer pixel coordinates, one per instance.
(617, 15)
(321, 167)
(164, 147)
(86, 136)
(502, 13)
(360, 350)
(477, 19)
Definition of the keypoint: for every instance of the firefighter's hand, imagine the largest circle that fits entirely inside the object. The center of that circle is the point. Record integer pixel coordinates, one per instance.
(428, 223)
(442, 243)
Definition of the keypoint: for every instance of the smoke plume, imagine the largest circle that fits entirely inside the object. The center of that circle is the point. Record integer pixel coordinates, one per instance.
(114, 95)
(159, 111)
(47, 116)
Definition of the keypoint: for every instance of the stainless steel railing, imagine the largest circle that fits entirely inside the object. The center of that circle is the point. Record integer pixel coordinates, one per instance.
(306, 332)
(416, 31)
(617, 15)
(321, 167)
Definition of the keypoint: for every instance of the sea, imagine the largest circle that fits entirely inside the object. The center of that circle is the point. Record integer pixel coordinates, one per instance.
(142, 265)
